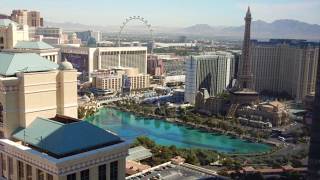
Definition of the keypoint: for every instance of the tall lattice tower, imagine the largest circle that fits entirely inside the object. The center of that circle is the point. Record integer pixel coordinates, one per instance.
(245, 74)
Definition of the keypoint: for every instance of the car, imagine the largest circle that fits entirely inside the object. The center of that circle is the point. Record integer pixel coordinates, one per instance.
(281, 138)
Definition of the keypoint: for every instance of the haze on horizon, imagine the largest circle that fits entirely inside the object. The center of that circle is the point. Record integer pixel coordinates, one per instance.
(171, 13)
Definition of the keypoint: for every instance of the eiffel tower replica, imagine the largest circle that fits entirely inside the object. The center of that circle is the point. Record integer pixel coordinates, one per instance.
(243, 92)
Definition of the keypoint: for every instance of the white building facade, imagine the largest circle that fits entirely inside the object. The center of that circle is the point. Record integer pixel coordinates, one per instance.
(207, 71)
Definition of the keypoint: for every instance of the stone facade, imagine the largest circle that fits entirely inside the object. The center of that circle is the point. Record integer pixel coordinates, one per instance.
(41, 94)
(273, 112)
(22, 162)
(210, 105)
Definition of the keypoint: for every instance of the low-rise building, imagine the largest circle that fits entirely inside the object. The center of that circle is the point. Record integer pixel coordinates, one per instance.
(274, 112)
(210, 105)
(118, 79)
(51, 35)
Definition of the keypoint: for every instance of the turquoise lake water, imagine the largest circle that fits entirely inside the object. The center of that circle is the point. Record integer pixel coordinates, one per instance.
(129, 126)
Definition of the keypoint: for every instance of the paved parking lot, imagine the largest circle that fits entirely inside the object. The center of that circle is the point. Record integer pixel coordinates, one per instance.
(172, 172)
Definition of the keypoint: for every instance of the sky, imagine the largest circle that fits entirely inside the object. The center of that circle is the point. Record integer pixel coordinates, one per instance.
(170, 13)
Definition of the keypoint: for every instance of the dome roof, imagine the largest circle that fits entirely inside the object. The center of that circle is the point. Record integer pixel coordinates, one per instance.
(65, 65)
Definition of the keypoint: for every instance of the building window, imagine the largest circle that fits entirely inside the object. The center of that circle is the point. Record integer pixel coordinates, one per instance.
(1, 40)
(72, 176)
(29, 172)
(10, 162)
(103, 172)
(114, 170)
(1, 113)
(85, 174)
(49, 177)
(3, 164)
(40, 175)
(20, 170)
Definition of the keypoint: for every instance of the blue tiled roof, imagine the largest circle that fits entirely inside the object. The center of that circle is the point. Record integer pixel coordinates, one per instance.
(60, 140)
(32, 45)
(12, 63)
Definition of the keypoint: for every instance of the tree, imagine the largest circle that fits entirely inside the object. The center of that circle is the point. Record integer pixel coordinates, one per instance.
(81, 112)
(144, 141)
(192, 158)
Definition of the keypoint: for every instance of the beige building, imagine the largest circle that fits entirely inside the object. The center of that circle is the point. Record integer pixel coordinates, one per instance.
(73, 39)
(41, 139)
(285, 66)
(135, 57)
(30, 87)
(88, 59)
(113, 79)
(11, 33)
(25, 17)
(273, 112)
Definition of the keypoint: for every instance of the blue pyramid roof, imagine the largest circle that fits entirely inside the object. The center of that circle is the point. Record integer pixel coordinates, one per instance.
(60, 140)
(32, 45)
(12, 63)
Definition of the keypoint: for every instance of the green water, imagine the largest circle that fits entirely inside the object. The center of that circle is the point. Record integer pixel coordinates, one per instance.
(129, 126)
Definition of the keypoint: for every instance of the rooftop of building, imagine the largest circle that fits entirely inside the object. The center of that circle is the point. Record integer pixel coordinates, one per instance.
(124, 48)
(12, 63)
(245, 92)
(291, 42)
(62, 136)
(272, 104)
(39, 45)
(214, 56)
(172, 171)
(139, 153)
(133, 167)
(6, 22)
(283, 169)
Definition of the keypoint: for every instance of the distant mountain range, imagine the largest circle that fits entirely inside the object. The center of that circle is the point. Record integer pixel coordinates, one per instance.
(260, 29)
(284, 28)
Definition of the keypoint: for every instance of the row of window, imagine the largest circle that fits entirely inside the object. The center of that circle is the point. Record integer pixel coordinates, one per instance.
(123, 52)
(1, 113)
(22, 170)
(102, 173)
(51, 58)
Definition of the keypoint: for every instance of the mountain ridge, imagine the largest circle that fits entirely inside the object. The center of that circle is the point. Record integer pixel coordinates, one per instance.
(282, 28)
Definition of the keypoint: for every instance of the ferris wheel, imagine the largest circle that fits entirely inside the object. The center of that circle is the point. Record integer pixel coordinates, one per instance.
(139, 19)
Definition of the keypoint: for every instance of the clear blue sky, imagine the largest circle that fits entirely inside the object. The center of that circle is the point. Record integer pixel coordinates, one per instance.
(168, 12)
